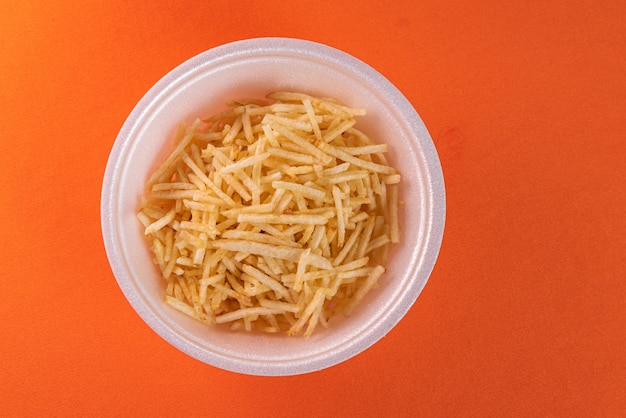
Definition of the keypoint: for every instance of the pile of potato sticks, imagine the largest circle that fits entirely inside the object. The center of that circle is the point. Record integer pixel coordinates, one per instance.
(274, 215)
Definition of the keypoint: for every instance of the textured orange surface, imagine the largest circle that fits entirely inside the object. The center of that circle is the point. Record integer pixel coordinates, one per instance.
(525, 312)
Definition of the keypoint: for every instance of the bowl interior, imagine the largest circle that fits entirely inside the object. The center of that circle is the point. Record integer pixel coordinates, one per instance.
(250, 69)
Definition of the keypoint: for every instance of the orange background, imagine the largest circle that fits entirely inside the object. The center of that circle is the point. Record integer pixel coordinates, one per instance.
(525, 312)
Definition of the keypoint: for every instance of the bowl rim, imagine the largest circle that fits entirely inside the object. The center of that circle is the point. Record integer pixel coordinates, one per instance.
(301, 48)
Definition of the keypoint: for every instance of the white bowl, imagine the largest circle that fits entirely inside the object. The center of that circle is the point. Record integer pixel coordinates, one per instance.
(252, 68)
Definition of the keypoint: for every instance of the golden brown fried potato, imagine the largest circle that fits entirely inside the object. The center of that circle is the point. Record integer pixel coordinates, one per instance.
(272, 215)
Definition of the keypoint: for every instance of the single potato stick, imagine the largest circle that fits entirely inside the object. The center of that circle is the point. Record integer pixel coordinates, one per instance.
(273, 215)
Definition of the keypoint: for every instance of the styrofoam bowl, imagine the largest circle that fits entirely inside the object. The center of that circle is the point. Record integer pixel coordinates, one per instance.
(251, 68)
